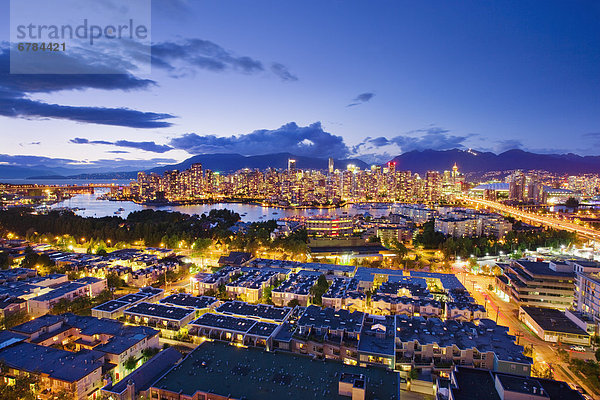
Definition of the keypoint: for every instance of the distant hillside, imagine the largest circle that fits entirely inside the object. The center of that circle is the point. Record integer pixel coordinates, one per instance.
(474, 161)
(415, 161)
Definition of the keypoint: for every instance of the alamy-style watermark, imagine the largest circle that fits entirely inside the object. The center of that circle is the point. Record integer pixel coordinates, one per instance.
(80, 36)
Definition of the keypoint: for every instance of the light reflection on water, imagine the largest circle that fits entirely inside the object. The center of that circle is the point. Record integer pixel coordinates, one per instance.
(91, 207)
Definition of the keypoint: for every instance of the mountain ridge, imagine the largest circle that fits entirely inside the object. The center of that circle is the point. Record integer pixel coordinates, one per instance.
(419, 161)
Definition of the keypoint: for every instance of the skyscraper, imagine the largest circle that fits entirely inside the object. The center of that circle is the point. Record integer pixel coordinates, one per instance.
(291, 165)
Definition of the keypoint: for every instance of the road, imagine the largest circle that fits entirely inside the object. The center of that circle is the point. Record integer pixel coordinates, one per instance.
(506, 314)
(540, 219)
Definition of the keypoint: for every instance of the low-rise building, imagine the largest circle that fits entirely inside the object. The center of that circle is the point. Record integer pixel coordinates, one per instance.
(160, 316)
(137, 384)
(553, 326)
(473, 383)
(538, 284)
(219, 371)
(296, 287)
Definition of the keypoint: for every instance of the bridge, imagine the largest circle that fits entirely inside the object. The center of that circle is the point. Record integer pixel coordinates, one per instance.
(529, 217)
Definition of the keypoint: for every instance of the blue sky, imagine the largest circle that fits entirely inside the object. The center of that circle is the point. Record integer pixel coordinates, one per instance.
(342, 78)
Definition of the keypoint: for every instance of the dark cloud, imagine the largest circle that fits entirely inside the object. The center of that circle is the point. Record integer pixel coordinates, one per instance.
(361, 98)
(282, 72)
(15, 102)
(146, 146)
(118, 152)
(309, 140)
(21, 84)
(25, 108)
(175, 57)
(203, 54)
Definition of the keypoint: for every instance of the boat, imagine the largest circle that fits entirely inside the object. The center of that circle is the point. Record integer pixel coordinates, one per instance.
(121, 209)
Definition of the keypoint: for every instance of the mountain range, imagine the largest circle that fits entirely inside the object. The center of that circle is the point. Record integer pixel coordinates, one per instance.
(419, 161)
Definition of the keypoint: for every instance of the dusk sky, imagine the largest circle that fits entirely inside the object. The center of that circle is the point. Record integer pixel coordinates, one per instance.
(367, 79)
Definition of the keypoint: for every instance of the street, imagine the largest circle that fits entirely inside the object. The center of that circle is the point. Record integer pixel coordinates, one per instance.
(506, 313)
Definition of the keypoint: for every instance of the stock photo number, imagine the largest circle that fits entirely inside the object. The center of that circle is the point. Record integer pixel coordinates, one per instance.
(50, 46)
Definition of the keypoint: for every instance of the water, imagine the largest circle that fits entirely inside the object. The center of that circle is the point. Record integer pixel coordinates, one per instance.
(66, 182)
(91, 207)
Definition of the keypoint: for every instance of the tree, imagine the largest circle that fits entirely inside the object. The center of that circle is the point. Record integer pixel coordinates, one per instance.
(398, 248)
(114, 281)
(572, 202)
(14, 319)
(130, 363)
(319, 289)
(4, 260)
(293, 303)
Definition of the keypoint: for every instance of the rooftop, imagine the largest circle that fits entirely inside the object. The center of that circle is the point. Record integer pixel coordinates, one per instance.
(111, 305)
(160, 311)
(187, 300)
(149, 372)
(332, 319)
(553, 320)
(58, 364)
(251, 373)
(262, 311)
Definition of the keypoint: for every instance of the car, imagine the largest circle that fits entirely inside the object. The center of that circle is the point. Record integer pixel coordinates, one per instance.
(578, 348)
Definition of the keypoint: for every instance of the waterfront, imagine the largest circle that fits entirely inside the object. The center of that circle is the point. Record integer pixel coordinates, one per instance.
(89, 206)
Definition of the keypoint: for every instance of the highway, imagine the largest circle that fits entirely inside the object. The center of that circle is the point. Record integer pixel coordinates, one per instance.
(535, 218)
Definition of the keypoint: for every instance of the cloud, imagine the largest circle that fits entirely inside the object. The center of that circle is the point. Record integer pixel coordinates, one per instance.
(309, 140)
(177, 57)
(430, 138)
(117, 152)
(283, 73)
(507, 144)
(361, 98)
(15, 102)
(146, 146)
(379, 149)
(25, 108)
(203, 54)
(66, 165)
(593, 137)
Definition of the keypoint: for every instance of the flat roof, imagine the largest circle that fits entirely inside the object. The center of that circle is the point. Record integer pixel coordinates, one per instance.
(111, 306)
(58, 364)
(160, 311)
(254, 310)
(226, 322)
(251, 373)
(333, 319)
(553, 320)
(542, 268)
(187, 300)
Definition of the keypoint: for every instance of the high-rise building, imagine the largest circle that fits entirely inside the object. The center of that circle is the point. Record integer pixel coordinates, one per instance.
(291, 165)
(330, 166)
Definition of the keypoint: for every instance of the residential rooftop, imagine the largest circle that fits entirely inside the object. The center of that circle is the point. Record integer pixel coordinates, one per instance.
(331, 319)
(262, 311)
(187, 300)
(485, 337)
(159, 311)
(250, 373)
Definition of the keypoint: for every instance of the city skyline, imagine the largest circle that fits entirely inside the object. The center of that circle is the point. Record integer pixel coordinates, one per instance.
(473, 76)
